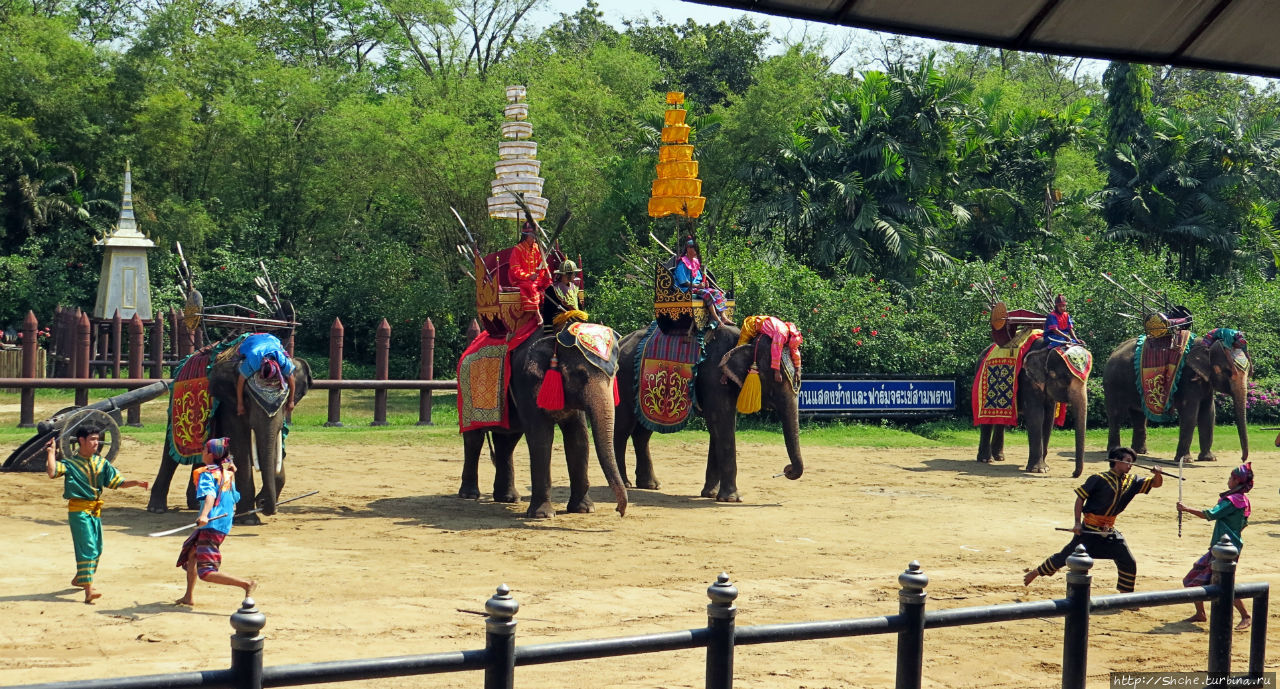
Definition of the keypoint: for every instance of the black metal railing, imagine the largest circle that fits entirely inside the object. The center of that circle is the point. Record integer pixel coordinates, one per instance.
(501, 656)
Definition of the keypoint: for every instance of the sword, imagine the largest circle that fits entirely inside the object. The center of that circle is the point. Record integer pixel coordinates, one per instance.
(192, 526)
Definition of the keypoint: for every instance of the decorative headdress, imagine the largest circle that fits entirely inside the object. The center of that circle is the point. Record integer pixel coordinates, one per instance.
(1244, 472)
(567, 268)
(218, 447)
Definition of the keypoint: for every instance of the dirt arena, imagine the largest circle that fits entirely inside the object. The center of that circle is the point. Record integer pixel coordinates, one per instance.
(380, 562)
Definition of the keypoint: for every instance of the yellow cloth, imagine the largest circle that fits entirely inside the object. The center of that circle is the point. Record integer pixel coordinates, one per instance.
(566, 316)
(92, 507)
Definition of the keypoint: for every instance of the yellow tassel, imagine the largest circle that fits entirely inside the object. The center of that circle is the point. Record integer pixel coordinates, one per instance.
(749, 398)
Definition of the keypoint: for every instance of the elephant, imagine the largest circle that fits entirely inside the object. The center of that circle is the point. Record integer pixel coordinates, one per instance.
(717, 381)
(1208, 367)
(588, 394)
(1043, 382)
(266, 440)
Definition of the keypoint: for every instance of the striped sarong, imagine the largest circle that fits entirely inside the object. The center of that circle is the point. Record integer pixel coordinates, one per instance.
(203, 545)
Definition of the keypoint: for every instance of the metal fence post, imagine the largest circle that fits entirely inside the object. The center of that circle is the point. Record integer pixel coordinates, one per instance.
(500, 640)
(426, 371)
(1075, 636)
(26, 414)
(1224, 577)
(381, 358)
(1258, 636)
(336, 332)
(721, 614)
(246, 645)
(911, 600)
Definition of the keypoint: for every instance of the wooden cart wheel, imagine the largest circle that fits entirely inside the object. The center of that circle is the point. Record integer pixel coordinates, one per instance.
(107, 427)
(999, 315)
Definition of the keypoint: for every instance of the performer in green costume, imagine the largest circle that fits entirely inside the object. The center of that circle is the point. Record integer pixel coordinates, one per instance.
(85, 477)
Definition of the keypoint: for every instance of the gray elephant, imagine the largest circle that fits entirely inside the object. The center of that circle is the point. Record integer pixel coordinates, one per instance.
(588, 394)
(717, 382)
(1210, 365)
(1044, 381)
(265, 439)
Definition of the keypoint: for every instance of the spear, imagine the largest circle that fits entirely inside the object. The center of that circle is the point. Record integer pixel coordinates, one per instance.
(193, 525)
(1126, 292)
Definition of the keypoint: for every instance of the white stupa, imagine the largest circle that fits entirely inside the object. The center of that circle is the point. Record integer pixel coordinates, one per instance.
(125, 284)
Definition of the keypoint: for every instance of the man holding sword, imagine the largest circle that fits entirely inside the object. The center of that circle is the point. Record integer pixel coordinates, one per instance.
(1099, 501)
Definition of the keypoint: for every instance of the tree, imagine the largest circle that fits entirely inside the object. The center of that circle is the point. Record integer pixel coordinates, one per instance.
(709, 62)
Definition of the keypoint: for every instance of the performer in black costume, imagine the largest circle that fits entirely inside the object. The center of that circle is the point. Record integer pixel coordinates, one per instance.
(1099, 501)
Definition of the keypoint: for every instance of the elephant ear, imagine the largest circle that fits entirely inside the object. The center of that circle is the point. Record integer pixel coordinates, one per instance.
(736, 363)
(1200, 360)
(1035, 369)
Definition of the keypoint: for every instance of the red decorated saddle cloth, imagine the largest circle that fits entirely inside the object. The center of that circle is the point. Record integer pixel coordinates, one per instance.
(598, 344)
(664, 375)
(484, 377)
(1078, 360)
(995, 386)
(1159, 361)
(191, 405)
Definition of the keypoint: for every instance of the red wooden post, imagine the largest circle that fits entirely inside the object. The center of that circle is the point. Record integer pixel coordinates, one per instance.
(134, 416)
(73, 343)
(473, 331)
(27, 413)
(55, 343)
(157, 346)
(184, 336)
(382, 353)
(175, 347)
(335, 372)
(82, 357)
(426, 371)
(116, 345)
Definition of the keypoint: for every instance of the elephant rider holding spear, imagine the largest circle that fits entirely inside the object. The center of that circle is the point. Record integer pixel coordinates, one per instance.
(1059, 327)
(1099, 501)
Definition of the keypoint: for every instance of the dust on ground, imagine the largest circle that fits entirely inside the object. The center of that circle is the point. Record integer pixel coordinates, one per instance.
(379, 563)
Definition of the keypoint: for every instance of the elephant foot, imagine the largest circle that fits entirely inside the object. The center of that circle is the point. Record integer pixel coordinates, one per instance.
(998, 457)
(583, 506)
(708, 492)
(541, 511)
(469, 492)
(506, 496)
(247, 520)
(157, 509)
(729, 497)
(984, 460)
(1037, 467)
(1207, 457)
(647, 483)
(1141, 449)
(1183, 458)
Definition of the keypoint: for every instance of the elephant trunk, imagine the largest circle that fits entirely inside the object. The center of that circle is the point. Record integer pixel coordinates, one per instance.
(790, 411)
(1239, 384)
(1080, 405)
(601, 415)
(266, 441)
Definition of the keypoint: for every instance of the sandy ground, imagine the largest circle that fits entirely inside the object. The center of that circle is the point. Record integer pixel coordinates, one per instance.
(379, 563)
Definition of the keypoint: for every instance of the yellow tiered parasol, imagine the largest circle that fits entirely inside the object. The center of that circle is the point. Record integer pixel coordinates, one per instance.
(677, 190)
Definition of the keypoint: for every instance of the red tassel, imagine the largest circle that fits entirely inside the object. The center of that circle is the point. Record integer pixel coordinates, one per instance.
(551, 395)
(617, 399)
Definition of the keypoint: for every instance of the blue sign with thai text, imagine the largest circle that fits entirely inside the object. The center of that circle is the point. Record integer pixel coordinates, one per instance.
(877, 395)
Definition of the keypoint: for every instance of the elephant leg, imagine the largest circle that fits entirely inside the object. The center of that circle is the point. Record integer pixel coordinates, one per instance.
(711, 484)
(997, 442)
(472, 445)
(538, 437)
(1139, 421)
(1115, 414)
(622, 431)
(577, 452)
(1034, 416)
(1188, 419)
(724, 452)
(1049, 419)
(158, 502)
(645, 476)
(504, 466)
(984, 443)
(1207, 417)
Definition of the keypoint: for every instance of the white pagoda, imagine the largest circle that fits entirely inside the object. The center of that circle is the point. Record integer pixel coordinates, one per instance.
(125, 285)
(516, 171)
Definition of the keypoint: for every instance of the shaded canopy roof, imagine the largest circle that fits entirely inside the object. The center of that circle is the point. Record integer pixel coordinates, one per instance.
(1225, 35)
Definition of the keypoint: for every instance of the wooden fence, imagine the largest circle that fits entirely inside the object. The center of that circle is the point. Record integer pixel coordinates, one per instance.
(83, 348)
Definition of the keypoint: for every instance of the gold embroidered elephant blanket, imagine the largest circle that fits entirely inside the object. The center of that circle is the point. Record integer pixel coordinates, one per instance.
(664, 379)
(484, 376)
(1159, 363)
(995, 385)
